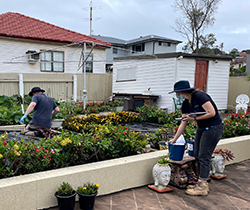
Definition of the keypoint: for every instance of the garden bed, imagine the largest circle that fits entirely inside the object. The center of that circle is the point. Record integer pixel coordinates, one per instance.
(36, 191)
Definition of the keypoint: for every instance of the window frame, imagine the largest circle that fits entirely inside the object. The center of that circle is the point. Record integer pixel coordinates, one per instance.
(89, 62)
(135, 48)
(52, 61)
(115, 50)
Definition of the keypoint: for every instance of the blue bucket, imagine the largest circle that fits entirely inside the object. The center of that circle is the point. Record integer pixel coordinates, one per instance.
(190, 147)
(176, 151)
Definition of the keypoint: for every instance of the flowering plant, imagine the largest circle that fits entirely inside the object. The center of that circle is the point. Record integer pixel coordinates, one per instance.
(227, 154)
(65, 189)
(236, 124)
(88, 189)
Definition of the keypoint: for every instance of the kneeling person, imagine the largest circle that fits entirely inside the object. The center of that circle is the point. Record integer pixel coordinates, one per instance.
(43, 106)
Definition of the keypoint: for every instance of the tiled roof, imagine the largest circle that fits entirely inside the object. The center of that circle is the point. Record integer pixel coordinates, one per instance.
(242, 54)
(16, 25)
(241, 60)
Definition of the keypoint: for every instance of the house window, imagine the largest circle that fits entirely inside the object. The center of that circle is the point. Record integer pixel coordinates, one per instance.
(89, 63)
(138, 47)
(114, 50)
(159, 43)
(167, 44)
(52, 61)
(126, 74)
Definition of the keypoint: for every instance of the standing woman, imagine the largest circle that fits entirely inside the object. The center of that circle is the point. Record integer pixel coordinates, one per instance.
(209, 131)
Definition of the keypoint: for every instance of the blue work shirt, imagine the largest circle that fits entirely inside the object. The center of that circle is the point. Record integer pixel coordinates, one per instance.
(43, 110)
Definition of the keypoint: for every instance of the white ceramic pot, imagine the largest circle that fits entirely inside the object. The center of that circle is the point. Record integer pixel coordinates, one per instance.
(217, 165)
(161, 174)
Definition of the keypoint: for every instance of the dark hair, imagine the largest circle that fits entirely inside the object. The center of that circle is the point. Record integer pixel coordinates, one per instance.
(190, 91)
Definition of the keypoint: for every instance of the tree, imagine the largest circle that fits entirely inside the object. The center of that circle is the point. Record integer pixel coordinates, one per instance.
(196, 15)
(234, 52)
(207, 44)
(208, 41)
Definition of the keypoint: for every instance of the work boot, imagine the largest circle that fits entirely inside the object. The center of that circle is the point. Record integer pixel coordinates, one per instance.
(200, 189)
(196, 185)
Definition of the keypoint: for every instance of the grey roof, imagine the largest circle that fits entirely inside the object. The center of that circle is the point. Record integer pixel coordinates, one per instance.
(116, 41)
(152, 37)
(175, 55)
(111, 40)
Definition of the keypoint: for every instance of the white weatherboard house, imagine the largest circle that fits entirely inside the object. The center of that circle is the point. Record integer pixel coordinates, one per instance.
(136, 74)
(29, 45)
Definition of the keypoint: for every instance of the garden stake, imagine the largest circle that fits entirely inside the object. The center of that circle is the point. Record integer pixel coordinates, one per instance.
(21, 101)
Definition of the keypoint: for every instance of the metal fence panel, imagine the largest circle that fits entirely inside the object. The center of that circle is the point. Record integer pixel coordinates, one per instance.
(59, 86)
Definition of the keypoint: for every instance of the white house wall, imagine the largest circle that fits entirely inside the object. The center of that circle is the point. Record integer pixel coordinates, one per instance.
(121, 52)
(157, 74)
(149, 49)
(218, 80)
(16, 49)
(164, 49)
(185, 70)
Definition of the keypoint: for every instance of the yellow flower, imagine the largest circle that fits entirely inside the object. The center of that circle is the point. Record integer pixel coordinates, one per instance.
(17, 153)
(16, 146)
(1, 156)
(84, 188)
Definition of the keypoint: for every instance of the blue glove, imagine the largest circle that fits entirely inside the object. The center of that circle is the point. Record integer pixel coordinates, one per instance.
(23, 118)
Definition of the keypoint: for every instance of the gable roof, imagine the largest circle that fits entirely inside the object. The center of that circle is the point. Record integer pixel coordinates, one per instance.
(15, 25)
(116, 41)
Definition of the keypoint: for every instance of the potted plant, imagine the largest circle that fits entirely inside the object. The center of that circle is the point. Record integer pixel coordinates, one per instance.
(117, 105)
(87, 194)
(218, 162)
(65, 195)
(161, 174)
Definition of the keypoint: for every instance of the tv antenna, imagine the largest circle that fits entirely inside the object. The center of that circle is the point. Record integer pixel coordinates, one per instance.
(90, 19)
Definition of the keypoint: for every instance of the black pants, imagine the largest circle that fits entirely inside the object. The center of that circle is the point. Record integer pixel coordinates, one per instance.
(206, 140)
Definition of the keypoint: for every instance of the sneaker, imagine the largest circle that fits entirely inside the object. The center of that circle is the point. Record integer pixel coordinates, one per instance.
(200, 189)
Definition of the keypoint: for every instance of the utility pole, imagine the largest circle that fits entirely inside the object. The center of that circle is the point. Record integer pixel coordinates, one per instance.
(90, 17)
(84, 77)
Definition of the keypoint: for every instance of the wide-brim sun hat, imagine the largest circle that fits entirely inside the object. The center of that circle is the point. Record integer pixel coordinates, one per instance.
(35, 89)
(182, 85)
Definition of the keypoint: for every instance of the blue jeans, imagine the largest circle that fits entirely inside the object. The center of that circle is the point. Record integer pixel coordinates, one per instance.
(206, 140)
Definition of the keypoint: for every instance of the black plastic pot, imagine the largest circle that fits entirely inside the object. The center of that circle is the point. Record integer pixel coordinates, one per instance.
(66, 202)
(86, 202)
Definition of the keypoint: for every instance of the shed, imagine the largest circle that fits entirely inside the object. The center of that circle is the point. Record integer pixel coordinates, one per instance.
(156, 75)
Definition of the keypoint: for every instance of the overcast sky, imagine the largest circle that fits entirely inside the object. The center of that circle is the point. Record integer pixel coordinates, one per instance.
(129, 19)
